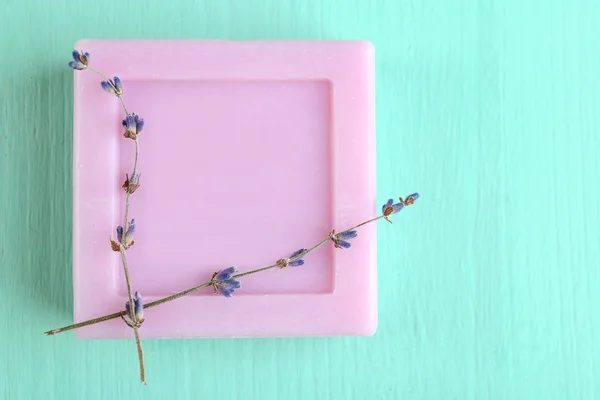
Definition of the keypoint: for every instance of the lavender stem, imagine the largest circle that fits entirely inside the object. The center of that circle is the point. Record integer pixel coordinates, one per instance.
(195, 288)
(140, 351)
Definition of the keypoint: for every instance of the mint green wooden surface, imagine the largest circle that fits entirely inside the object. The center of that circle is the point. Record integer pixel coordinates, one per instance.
(489, 287)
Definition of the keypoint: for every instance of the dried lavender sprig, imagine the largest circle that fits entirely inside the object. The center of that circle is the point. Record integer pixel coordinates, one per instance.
(108, 80)
(115, 88)
(128, 194)
(178, 295)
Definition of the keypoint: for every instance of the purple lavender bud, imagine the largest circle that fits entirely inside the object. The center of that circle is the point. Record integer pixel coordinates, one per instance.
(347, 234)
(113, 87)
(118, 85)
(139, 123)
(224, 283)
(225, 274)
(410, 199)
(108, 87)
(80, 60)
(129, 233)
(227, 287)
(133, 125)
(138, 308)
(296, 262)
(340, 240)
(390, 208)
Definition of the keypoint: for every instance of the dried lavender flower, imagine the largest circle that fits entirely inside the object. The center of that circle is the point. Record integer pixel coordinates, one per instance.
(340, 240)
(128, 239)
(113, 86)
(116, 245)
(131, 185)
(125, 240)
(80, 60)
(120, 233)
(294, 260)
(138, 309)
(410, 199)
(390, 208)
(222, 282)
(133, 125)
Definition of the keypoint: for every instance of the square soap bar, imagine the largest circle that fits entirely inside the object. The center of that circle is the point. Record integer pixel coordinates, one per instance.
(250, 151)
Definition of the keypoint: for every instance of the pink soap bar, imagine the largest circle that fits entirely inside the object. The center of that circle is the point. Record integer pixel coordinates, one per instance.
(250, 151)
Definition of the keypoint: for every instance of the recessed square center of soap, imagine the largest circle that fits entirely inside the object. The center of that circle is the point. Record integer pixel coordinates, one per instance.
(239, 172)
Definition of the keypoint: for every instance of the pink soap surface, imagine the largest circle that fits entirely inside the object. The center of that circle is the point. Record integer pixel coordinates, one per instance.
(250, 151)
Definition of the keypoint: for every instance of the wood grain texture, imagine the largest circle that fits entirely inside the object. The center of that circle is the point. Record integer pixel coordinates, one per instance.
(489, 288)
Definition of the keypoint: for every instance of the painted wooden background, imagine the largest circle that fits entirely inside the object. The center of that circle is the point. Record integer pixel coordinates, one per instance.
(489, 287)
